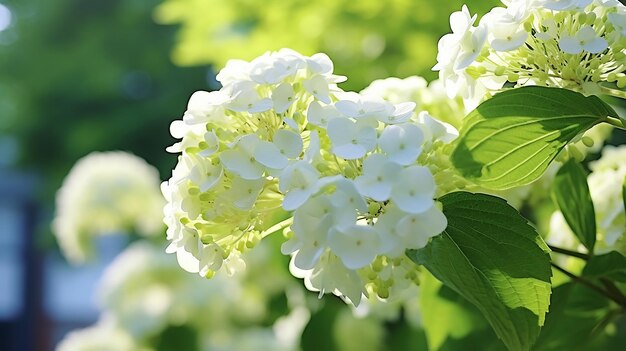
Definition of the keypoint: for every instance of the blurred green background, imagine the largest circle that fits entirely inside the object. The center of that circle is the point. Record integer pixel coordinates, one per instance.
(78, 76)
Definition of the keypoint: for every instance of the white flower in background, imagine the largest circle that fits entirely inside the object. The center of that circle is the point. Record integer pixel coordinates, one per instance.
(506, 30)
(249, 340)
(573, 44)
(360, 107)
(107, 193)
(560, 5)
(338, 161)
(397, 90)
(140, 298)
(103, 336)
(428, 97)
(458, 50)
(141, 292)
(605, 186)
(618, 20)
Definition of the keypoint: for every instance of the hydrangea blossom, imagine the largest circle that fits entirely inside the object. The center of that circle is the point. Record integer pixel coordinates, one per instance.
(106, 193)
(140, 294)
(104, 335)
(296, 153)
(605, 186)
(141, 289)
(573, 44)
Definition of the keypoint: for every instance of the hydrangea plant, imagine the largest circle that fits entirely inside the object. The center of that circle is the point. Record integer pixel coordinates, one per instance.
(106, 193)
(372, 189)
(281, 146)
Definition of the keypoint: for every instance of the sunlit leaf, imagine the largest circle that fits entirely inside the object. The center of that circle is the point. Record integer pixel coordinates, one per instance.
(490, 255)
(510, 139)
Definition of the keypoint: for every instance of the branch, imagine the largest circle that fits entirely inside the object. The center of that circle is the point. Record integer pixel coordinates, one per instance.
(613, 289)
(567, 252)
(590, 285)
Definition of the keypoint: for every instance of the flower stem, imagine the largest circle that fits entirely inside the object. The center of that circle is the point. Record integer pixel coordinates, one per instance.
(277, 227)
(620, 94)
(615, 122)
(567, 252)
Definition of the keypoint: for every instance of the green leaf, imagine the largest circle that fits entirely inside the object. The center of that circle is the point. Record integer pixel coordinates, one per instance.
(490, 255)
(451, 323)
(624, 193)
(177, 337)
(571, 193)
(443, 314)
(575, 312)
(611, 265)
(510, 139)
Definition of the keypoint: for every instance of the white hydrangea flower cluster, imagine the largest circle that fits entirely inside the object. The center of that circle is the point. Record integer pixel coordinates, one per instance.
(430, 97)
(281, 145)
(103, 336)
(573, 44)
(106, 193)
(140, 290)
(605, 186)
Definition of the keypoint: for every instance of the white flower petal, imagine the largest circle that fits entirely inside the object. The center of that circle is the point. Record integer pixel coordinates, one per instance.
(269, 155)
(402, 112)
(510, 42)
(244, 192)
(288, 143)
(187, 261)
(348, 108)
(356, 246)
(261, 106)
(596, 45)
(313, 151)
(320, 63)
(350, 151)
(319, 115)
(414, 190)
(570, 45)
(290, 246)
(212, 144)
(378, 177)
(416, 229)
(307, 257)
(295, 198)
(347, 196)
(241, 164)
(282, 97)
(318, 87)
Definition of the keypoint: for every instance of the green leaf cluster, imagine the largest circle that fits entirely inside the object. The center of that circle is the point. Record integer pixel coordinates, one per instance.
(490, 255)
(494, 259)
(511, 139)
